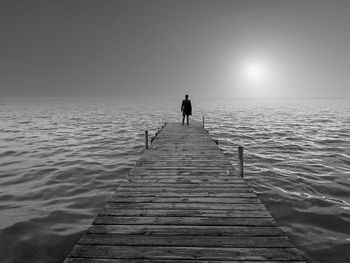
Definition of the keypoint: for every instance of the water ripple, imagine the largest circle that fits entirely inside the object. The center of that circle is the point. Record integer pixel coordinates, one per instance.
(297, 159)
(61, 161)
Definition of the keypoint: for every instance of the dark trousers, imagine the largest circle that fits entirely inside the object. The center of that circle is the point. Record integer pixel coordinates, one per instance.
(183, 119)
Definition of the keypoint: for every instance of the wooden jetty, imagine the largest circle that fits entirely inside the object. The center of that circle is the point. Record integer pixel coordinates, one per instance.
(183, 202)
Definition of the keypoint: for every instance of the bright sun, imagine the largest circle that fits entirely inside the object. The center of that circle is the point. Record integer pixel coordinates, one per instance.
(254, 71)
(254, 79)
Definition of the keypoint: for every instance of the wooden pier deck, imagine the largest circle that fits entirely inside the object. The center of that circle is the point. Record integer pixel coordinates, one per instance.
(182, 202)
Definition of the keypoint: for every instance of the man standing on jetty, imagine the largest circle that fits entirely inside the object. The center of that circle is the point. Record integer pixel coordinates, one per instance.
(186, 109)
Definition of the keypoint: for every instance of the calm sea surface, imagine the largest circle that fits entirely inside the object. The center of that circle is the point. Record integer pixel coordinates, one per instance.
(61, 160)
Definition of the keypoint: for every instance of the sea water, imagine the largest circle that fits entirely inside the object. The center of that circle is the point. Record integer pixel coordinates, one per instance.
(60, 161)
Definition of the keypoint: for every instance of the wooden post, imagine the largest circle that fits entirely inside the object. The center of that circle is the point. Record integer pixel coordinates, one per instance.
(203, 121)
(216, 141)
(146, 140)
(240, 161)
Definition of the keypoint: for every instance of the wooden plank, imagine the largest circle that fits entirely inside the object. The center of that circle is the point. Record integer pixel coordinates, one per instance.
(175, 162)
(191, 170)
(188, 221)
(185, 189)
(184, 241)
(180, 172)
(247, 231)
(198, 168)
(133, 260)
(195, 163)
(181, 169)
(186, 194)
(157, 199)
(175, 185)
(169, 174)
(186, 206)
(165, 179)
(172, 179)
(181, 179)
(149, 252)
(184, 213)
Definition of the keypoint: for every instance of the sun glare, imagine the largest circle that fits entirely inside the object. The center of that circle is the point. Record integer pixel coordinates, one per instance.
(255, 79)
(254, 71)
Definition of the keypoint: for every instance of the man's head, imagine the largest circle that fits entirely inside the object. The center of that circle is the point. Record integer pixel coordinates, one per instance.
(186, 96)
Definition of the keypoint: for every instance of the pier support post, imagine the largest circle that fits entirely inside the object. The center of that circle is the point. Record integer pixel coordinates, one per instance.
(240, 161)
(146, 140)
(203, 121)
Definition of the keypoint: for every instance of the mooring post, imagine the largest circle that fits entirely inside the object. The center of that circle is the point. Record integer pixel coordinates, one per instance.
(240, 161)
(203, 121)
(146, 140)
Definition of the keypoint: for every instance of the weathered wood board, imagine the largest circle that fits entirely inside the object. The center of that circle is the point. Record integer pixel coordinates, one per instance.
(183, 202)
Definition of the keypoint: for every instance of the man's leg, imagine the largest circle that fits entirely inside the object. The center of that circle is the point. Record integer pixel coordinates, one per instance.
(188, 116)
(183, 119)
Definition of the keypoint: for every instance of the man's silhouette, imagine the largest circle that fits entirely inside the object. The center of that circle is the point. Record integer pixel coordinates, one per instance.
(186, 109)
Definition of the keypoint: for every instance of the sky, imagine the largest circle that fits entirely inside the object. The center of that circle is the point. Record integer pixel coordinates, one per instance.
(204, 48)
